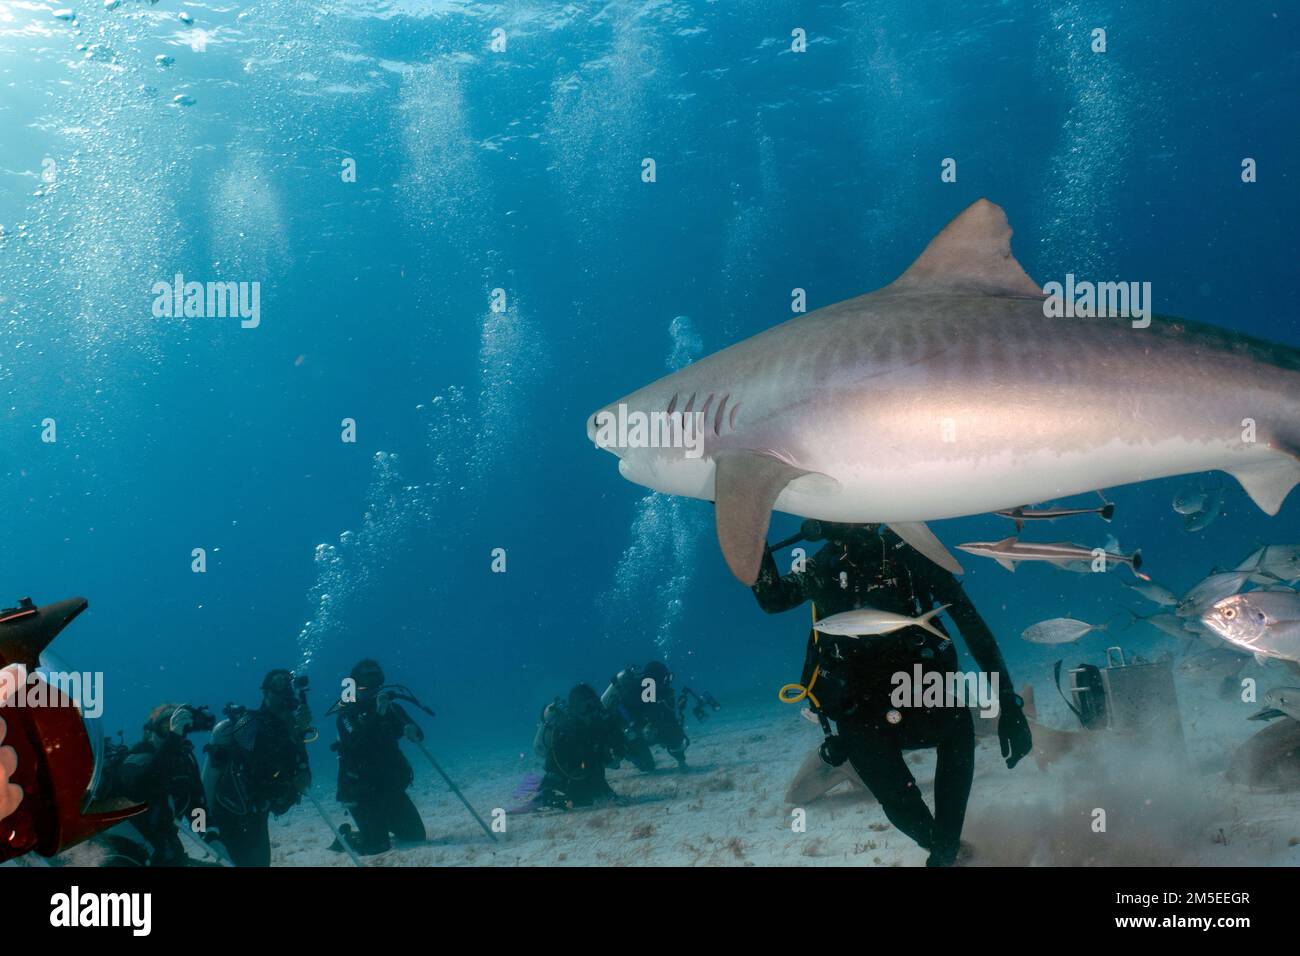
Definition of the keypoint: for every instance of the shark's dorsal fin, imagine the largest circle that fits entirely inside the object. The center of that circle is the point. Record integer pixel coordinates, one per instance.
(972, 255)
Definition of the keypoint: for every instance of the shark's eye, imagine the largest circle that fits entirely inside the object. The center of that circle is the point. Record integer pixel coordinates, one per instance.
(1229, 613)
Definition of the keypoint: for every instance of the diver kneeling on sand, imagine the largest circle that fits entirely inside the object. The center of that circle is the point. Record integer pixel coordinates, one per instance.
(161, 772)
(257, 764)
(850, 680)
(645, 703)
(577, 741)
(374, 774)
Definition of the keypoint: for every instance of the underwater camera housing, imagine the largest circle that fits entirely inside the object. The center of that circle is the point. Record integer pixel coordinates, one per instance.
(56, 763)
(1130, 696)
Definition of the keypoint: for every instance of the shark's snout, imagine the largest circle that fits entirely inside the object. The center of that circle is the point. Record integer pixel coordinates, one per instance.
(598, 431)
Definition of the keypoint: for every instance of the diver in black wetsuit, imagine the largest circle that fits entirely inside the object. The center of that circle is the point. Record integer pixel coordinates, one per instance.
(257, 764)
(648, 713)
(578, 741)
(160, 771)
(852, 677)
(374, 774)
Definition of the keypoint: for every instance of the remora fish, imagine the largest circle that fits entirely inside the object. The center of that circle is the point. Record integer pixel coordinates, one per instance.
(870, 621)
(1022, 514)
(951, 392)
(1265, 623)
(1073, 557)
(1059, 630)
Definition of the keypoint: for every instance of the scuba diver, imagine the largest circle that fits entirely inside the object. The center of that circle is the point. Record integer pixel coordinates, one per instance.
(161, 772)
(577, 741)
(257, 764)
(373, 773)
(850, 679)
(645, 703)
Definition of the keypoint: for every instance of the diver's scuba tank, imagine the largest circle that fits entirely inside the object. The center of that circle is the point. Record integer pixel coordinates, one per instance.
(223, 770)
(56, 763)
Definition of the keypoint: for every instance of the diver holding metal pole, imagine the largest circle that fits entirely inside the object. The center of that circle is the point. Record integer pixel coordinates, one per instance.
(402, 692)
(311, 735)
(374, 774)
(338, 833)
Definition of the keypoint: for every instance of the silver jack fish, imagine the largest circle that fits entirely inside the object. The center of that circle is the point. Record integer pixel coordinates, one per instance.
(1059, 630)
(870, 621)
(1264, 623)
(950, 393)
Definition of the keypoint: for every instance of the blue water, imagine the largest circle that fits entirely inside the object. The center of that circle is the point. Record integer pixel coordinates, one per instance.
(520, 170)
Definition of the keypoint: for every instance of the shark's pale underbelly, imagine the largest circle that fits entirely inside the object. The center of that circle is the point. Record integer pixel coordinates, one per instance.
(927, 490)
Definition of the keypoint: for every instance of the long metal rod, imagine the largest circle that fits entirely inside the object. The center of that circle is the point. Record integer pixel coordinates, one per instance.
(456, 790)
(330, 823)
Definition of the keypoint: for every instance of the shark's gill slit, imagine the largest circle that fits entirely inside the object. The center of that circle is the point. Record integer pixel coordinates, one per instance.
(690, 404)
(704, 412)
(672, 404)
(717, 416)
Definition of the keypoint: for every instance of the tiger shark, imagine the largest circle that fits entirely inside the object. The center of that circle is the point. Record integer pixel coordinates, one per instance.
(954, 391)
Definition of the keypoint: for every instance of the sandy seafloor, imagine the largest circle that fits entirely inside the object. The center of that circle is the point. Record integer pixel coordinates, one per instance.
(729, 808)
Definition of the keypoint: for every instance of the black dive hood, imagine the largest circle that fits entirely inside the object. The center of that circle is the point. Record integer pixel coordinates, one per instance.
(56, 762)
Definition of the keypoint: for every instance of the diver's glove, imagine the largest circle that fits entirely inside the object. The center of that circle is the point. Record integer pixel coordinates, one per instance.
(413, 733)
(1013, 730)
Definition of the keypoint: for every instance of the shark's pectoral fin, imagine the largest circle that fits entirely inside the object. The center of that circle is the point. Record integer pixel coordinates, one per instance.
(1268, 483)
(1009, 565)
(746, 486)
(922, 539)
